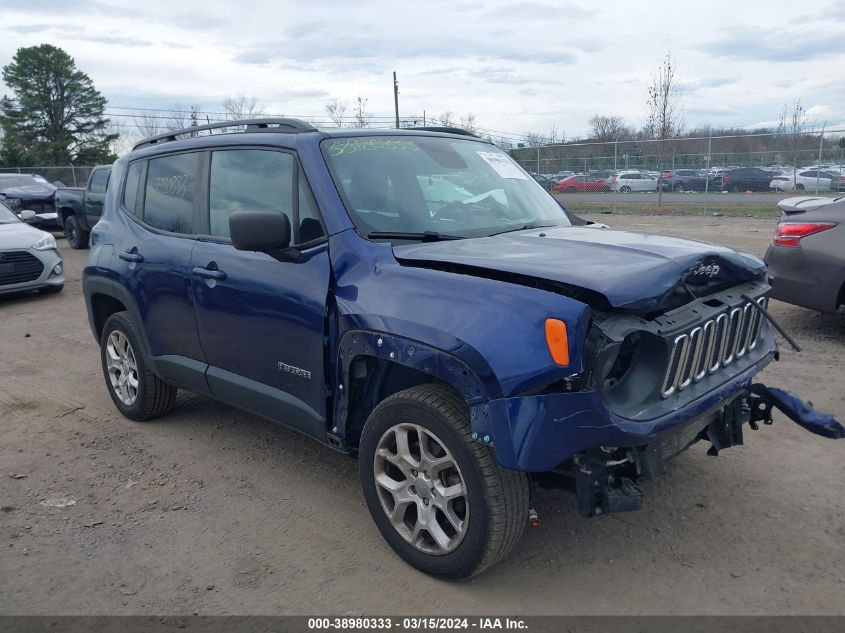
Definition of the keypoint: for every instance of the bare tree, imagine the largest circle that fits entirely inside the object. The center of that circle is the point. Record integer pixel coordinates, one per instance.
(242, 107)
(534, 139)
(664, 118)
(447, 119)
(608, 128)
(469, 122)
(336, 109)
(122, 142)
(178, 117)
(793, 119)
(360, 114)
(556, 137)
(147, 124)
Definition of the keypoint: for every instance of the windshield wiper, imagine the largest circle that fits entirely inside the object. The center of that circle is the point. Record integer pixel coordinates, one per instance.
(423, 236)
(525, 227)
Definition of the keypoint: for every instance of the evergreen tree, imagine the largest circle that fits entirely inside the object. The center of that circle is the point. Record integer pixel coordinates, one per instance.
(55, 115)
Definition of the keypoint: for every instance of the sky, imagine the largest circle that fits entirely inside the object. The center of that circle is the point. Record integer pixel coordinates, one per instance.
(519, 67)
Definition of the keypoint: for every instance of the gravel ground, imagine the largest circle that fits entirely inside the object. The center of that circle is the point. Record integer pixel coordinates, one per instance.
(215, 511)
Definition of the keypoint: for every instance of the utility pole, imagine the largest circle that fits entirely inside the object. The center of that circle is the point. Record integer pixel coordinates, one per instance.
(819, 164)
(396, 98)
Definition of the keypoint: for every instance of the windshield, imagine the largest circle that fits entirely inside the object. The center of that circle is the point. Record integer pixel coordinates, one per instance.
(7, 216)
(436, 186)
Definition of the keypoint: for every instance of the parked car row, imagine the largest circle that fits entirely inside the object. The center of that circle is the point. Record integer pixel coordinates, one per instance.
(737, 179)
(808, 180)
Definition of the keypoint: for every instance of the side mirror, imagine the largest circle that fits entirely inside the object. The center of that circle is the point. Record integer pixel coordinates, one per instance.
(27, 214)
(262, 231)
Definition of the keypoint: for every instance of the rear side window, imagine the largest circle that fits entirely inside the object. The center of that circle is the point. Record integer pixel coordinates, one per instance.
(130, 191)
(170, 192)
(99, 181)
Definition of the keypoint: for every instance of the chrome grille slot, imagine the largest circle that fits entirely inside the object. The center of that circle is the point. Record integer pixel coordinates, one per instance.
(748, 313)
(719, 346)
(676, 360)
(691, 361)
(712, 345)
(756, 322)
(708, 338)
(734, 322)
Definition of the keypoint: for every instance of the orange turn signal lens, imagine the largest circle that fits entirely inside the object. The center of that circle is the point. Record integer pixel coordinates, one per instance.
(558, 341)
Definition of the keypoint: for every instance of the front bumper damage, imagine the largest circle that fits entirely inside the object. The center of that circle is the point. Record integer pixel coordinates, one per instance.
(609, 459)
(607, 483)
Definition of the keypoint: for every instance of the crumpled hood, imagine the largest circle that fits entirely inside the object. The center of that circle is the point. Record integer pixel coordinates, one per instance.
(633, 271)
(29, 192)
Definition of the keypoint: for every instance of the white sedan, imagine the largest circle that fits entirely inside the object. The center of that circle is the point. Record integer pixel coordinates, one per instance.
(802, 181)
(29, 257)
(632, 181)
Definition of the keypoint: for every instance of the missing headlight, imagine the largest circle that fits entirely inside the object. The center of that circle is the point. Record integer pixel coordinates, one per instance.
(635, 372)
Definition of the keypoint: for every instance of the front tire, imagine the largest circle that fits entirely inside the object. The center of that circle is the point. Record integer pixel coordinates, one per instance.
(136, 392)
(441, 500)
(76, 237)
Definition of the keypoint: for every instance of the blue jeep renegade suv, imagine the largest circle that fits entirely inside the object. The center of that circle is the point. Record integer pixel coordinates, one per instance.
(415, 297)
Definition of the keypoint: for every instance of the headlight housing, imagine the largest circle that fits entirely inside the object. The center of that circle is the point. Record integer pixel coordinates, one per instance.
(45, 243)
(13, 203)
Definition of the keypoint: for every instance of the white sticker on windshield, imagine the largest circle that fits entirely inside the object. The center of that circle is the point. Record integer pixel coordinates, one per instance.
(503, 165)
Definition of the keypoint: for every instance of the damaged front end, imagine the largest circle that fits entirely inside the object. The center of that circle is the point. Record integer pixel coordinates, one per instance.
(652, 385)
(609, 479)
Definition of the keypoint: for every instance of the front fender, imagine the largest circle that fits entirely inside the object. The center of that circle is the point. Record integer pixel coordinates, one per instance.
(496, 328)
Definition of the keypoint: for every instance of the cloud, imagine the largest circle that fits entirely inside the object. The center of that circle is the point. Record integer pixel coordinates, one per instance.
(777, 45)
(360, 48)
(70, 32)
(540, 11)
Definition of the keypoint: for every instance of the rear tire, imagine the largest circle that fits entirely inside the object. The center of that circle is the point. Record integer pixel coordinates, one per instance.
(491, 508)
(625, 189)
(136, 392)
(76, 237)
(570, 190)
(799, 187)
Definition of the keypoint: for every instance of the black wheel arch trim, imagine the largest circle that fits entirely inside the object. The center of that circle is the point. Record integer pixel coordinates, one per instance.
(99, 285)
(357, 343)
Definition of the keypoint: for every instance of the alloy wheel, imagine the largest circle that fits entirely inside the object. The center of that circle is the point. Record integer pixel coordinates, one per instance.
(421, 488)
(122, 367)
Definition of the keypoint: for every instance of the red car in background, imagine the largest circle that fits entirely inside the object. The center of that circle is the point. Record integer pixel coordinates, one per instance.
(581, 182)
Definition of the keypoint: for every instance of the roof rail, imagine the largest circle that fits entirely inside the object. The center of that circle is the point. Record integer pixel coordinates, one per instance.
(447, 130)
(283, 125)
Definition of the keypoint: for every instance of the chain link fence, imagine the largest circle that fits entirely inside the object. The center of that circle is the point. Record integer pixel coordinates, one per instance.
(811, 162)
(61, 176)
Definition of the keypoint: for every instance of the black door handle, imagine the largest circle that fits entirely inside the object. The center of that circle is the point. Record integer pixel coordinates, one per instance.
(208, 273)
(127, 256)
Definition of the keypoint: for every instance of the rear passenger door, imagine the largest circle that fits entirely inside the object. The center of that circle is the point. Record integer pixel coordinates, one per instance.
(262, 321)
(161, 198)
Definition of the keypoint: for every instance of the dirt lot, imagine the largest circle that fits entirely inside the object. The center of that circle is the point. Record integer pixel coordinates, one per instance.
(215, 511)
